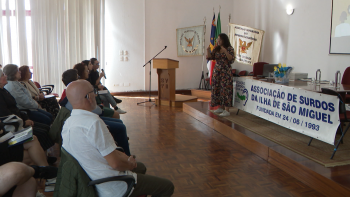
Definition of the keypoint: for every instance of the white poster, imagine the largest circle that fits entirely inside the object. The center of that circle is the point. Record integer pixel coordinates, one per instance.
(190, 41)
(247, 43)
(310, 113)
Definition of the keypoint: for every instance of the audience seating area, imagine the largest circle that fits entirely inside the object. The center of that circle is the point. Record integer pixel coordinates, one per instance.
(47, 126)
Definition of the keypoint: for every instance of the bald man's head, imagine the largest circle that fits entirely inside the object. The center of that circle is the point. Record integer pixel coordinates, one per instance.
(77, 92)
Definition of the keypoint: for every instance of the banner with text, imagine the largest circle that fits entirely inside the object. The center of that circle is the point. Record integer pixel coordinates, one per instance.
(247, 43)
(310, 113)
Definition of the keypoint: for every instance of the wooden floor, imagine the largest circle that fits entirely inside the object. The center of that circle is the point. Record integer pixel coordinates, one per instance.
(328, 181)
(199, 160)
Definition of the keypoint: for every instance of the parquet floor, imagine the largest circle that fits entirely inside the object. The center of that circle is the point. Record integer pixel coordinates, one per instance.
(200, 161)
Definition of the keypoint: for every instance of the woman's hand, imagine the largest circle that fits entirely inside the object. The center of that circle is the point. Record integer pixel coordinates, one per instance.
(41, 96)
(100, 87)
(102, 74)
(223, 50)
(29, 123)
(217, 48)
(208, 49)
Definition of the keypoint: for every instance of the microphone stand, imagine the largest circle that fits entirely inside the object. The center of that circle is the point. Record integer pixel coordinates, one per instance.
(150, 72)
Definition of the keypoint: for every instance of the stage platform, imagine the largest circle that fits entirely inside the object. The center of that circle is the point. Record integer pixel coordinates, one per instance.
(179, 100)
(200, 93)
(333, 181)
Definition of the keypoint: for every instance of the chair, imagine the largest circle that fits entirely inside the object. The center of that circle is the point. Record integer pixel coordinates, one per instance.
(258, 68)
(46, 88)
(242, 73)
(343, 117)
(234, 71)
(72, 180)
(346, 81)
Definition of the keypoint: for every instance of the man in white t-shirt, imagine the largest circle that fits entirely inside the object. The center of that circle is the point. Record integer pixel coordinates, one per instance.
(86, 137)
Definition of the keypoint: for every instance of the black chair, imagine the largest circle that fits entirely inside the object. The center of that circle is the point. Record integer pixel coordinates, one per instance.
(343, 117)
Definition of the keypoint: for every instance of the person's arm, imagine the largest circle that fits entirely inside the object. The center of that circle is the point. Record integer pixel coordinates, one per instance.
(228, 55)
(4, 110)
(102, 139)
(22, 97)
(99, 78)
(209, 54)
(120, 161)
(231, 52)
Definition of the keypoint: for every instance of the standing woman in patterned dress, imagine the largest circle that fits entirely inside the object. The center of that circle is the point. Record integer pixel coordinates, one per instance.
(222, 79)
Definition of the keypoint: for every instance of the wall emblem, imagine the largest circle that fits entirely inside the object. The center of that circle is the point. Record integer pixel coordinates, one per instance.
(190, 41)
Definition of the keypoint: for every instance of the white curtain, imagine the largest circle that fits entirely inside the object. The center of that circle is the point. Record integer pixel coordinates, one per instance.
(13, 39)
(64, 32)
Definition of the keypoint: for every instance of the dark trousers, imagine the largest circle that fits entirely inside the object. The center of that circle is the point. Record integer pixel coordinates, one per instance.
(118, 131)
(151, 185)
(41, 116)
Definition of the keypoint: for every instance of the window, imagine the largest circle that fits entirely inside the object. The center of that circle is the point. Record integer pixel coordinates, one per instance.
(10, 41)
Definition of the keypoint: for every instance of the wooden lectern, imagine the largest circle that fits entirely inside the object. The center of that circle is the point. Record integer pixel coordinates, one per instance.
(166, 80)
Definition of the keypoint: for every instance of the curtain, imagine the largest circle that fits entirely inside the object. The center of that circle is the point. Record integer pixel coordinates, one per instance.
(64, 32)
(13, 39)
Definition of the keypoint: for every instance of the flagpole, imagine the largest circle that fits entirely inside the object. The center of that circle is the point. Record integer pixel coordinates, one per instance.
(229, 21)
(202, 82)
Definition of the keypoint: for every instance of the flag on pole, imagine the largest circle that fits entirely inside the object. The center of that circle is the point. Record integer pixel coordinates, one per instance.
(211, 63)
(218, 28)
(212, 34)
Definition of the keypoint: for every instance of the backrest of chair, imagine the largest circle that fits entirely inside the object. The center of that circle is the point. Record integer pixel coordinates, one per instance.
(346, 77)
(342, 108)
(72, 180)
(242, 73)
(37, 84)
(258, 68)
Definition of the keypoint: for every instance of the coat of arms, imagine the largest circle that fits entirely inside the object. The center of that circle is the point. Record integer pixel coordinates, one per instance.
(190, 41)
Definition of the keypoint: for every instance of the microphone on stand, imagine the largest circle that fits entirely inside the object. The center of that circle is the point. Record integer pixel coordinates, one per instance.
(105, 73)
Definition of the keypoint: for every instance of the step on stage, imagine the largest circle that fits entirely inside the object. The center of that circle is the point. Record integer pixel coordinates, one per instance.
(178, 102)
(333, 181)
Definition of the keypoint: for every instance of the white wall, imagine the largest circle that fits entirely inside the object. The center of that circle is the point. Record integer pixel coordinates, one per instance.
(124, 30)
(163, 17)
(300, 40)
(145, 27)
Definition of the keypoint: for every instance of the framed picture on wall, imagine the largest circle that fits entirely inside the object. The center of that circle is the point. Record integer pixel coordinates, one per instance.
(190, 41)
(340, 27)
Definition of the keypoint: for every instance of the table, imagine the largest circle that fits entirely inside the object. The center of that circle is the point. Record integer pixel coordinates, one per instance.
(297, 105)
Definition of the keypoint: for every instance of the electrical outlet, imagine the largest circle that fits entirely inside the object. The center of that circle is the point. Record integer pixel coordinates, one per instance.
(116, 85)
(121, 84)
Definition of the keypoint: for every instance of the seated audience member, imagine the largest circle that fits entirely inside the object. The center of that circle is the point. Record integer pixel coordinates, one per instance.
(8, 107)
(18, 179)
(95, 79)
(49, 104)
(72, 75)
(23, 98)
(86, 137)
(89, 65)
(116, 126)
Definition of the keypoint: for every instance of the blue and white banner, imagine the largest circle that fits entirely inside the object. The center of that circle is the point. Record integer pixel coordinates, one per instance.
(310, 113)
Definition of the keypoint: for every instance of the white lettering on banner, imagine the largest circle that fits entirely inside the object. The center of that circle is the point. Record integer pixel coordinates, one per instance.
(310, 113)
